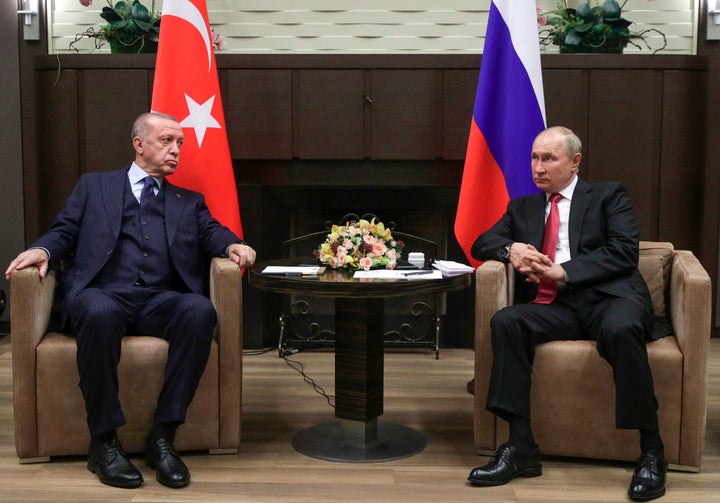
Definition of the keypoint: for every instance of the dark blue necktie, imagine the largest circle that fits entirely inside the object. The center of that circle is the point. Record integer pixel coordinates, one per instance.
(148, 191)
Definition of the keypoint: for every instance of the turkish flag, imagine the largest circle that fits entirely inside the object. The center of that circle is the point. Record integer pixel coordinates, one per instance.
(186, 86)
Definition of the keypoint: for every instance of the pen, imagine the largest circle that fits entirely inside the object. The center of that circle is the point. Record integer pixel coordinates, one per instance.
(413, 273)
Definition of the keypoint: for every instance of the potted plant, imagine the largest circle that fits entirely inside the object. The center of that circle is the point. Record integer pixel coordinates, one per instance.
(591, 29)
(131, 27)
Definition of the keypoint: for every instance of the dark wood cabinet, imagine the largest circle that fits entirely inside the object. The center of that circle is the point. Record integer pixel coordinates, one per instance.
(403, 121)
(329, 111)
(258, 113)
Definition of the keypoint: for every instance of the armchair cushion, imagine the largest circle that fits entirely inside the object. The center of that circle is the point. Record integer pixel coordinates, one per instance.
(48, 406)
(572, 396)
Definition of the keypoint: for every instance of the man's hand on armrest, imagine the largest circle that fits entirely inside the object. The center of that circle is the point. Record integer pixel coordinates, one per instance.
(241, 254)
(34, 256)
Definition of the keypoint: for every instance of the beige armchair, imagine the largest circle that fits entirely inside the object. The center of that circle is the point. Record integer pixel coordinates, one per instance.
(49, 409)
(573, 399)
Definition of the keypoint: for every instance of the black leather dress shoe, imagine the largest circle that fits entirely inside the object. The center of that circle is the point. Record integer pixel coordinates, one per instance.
(160, 455)
(648, 480)
(506, 464)
(112, 465)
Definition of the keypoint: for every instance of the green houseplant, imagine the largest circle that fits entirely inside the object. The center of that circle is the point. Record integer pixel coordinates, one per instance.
(592, 29)
(131, 27)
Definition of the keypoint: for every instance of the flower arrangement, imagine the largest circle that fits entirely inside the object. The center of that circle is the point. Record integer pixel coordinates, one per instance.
(586, 29)
(360, 245)
(131, 27)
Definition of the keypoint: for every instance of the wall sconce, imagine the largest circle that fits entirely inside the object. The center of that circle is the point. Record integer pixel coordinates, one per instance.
(31, 19)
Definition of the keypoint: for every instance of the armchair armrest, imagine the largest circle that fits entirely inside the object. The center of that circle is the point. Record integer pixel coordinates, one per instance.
(226, 296)
(31, 300)
(690, 314)
(492, 293)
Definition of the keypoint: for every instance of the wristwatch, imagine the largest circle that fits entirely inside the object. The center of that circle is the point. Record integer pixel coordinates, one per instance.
(505, 253)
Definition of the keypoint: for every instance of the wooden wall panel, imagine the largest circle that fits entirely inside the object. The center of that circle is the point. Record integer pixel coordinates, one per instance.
(459, 90)
(622, 143)
(567, 100)
(681, 174)
(258, 113)
(109, 102)
(404, 115)
(329, 114)
(58, 151)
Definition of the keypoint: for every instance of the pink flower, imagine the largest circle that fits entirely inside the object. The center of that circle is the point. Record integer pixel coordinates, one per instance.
(366, 263)
(379, 249)
(541, 20)
(217, 40)
(86, 3)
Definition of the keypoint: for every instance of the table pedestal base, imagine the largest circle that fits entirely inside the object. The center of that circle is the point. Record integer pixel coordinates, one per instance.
(359, 442)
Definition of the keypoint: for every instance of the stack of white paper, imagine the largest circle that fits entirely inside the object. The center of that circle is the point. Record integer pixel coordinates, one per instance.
(450, 268)
(395, 274)
(294, 270)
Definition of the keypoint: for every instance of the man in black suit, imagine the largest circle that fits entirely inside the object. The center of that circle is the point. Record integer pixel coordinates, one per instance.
(591, 288)
(135, 250)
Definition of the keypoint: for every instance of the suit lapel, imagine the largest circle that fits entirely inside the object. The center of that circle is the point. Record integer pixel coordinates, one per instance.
(112, 192)
(578, 208)
(536, 217)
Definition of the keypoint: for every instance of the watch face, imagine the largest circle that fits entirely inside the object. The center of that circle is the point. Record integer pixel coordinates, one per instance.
(505, 253)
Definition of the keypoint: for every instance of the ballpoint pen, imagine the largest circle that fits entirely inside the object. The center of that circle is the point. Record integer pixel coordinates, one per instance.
(413, 273)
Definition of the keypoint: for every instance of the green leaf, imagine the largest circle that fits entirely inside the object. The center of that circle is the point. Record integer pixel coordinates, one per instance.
(584, 12)
(143, 25)
(620, 23)
(611, 10)
(572, 38)
(121, 7)
(140, 13)
(583, 27)
(621, 30)
(109, 15)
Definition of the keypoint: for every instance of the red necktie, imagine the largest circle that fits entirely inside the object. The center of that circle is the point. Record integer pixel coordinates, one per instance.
(547, 289)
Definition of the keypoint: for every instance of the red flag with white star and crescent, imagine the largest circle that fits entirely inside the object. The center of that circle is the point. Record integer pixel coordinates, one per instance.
(186, 86)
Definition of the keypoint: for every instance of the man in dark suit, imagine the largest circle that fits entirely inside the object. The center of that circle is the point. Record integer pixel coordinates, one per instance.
(590, 288)
(135, 250)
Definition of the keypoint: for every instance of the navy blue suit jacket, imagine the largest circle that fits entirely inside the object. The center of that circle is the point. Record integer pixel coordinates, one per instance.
(603, 237)
(85, 232)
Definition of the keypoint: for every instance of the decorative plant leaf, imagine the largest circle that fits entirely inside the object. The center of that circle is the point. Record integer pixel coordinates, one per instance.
(109, 15)
(611, 10)
(572, 38)
(621, 30)
(621, 23)
(585, 13)
(140, 13)
(583, 27)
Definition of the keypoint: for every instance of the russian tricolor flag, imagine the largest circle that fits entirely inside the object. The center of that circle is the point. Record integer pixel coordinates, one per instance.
(509, 113)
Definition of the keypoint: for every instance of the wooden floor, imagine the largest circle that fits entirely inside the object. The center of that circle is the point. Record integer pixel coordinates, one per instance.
(420, 392)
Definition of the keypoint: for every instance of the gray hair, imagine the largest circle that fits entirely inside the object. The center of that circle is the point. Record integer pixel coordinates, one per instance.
(141, 125)
(571, 142)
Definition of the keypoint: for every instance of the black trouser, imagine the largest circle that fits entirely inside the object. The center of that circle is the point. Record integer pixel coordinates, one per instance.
(619, 327)
(99, 318)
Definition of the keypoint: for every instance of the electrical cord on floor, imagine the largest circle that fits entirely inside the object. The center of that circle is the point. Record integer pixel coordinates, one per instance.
(300, 369)
(256, 352)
